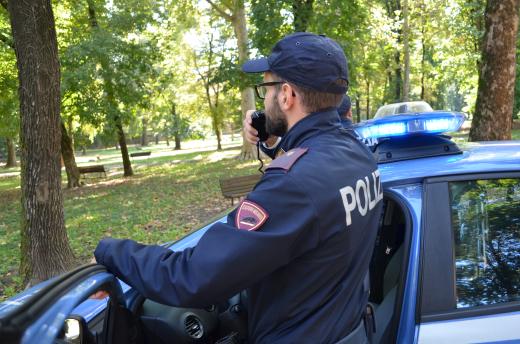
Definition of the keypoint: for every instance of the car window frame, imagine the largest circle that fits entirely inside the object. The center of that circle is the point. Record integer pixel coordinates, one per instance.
(437, 301)
(398, 330)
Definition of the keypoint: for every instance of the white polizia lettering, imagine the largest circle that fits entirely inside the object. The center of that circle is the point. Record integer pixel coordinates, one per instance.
(361, 198)
(364, 197)
(349, 205)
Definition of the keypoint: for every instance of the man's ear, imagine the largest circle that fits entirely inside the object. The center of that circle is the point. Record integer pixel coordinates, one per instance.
(286, 98)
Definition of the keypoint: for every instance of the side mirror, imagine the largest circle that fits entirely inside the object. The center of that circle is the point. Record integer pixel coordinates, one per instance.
(75, 330)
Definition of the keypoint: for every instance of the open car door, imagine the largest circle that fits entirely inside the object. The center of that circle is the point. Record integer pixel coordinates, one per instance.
(55, 311)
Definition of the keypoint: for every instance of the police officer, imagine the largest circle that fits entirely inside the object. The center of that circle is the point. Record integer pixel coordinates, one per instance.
(345, 112)
(301, 241)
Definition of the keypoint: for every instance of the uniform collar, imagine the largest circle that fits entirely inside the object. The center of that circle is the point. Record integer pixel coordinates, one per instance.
(346, 123)
(309, 126)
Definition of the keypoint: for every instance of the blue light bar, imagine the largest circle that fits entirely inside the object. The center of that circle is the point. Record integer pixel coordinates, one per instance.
(411, 124)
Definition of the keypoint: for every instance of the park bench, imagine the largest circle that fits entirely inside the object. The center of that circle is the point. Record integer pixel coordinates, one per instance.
(236, 187)
(144, 153)
(92, 169)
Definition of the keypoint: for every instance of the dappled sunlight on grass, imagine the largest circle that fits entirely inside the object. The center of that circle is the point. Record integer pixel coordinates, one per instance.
(219, 155)
(251, 163)
(9, 183)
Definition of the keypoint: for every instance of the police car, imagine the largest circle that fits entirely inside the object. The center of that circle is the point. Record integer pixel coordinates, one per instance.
(445, 267)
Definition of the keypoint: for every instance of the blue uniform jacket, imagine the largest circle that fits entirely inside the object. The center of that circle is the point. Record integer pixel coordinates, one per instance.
(303, 267)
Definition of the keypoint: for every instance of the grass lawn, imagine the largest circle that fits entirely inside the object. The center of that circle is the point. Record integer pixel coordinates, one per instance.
(172, 193)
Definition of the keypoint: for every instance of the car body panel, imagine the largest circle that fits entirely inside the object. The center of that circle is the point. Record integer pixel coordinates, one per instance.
(45, 329)
(476, 158)
(498, 328)
(16, 301)
(411, 196)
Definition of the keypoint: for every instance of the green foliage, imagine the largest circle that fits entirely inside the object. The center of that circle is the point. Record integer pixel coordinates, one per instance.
(108, 63)
(458, 51)
(271, 19)
(9, 106)
(136, 59)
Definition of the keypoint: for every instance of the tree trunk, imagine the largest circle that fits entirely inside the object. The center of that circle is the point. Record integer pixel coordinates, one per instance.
(389, 97)
(144, 137)
(45, 250)
(121, 139)
(368, 99)
(406, 53)
(238, 20)
(69, 160)
(398, 76)
(423, 49)
(358, 107)
(302, 13)
(11, 153)
(392, 8)
(178, 125)
(494, 108)
(70, 132)
(127, 166)
(213, 108)
(423, 64)
(177, 142)
(248, 97)
(219, 139)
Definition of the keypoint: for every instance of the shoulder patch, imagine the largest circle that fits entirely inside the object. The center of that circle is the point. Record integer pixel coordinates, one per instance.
(250, 216)
(287, 160)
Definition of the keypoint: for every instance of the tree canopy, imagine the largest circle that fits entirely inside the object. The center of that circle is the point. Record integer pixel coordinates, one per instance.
(133, 61)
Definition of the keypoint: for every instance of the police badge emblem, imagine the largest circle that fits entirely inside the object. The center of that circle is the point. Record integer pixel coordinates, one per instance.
(250, 216)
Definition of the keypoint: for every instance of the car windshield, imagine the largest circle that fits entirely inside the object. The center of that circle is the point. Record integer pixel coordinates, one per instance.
(400, 108)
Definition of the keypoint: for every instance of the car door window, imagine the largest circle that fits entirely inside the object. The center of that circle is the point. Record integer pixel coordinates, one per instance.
(485, 217)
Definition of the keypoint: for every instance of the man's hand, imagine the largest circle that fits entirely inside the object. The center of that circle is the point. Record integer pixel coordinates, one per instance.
(100, 294)
(251, 134)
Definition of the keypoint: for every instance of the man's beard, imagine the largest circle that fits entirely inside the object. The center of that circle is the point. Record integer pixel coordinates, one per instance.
(275, 121)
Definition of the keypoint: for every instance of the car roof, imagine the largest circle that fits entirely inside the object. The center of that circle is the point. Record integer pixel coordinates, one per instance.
(493, 156)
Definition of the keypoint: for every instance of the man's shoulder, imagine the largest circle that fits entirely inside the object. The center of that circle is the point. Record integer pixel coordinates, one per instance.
(285, 161)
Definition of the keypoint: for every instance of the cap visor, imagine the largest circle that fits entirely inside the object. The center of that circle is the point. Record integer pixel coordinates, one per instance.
(256, 66)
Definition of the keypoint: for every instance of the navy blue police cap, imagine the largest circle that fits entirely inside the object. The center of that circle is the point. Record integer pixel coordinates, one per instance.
(305, 59)
(345, 105)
